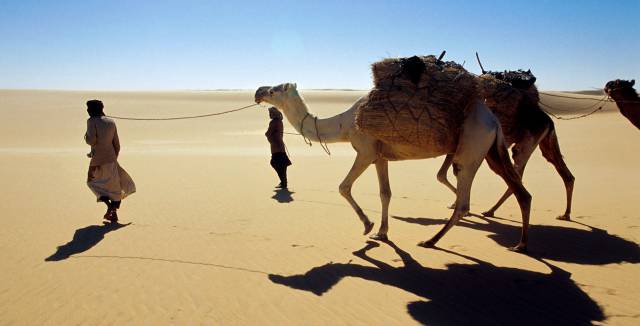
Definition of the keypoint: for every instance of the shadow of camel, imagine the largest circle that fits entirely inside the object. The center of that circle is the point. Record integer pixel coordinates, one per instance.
(83, 240)
(464, 294)
(567, 244)
(283, 195)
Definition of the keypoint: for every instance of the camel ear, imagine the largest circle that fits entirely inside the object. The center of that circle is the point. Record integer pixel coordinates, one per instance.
(633, 82)
(288, 86)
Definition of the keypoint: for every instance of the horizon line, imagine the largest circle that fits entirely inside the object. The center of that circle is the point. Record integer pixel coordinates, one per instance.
(231, 90)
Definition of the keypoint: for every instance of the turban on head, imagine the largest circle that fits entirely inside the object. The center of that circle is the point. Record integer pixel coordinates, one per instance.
(275, 113)
(94, 108)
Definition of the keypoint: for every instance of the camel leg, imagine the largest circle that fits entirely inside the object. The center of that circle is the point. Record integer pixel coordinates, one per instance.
(551, 151)
(465, 178)
(382, 167)
(521, 154)
(478, 135)
(361, 163)
(498, 160)
(442, 175)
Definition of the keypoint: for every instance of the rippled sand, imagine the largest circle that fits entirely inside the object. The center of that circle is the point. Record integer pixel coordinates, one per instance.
(208, 240)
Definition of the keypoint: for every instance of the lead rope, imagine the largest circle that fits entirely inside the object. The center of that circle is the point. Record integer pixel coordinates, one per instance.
(601, 103)
(572, 118)
(184, 117)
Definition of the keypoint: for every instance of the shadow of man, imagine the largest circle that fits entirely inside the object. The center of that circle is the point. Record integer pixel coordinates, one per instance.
(83, 240)
(590, 247)
(464, 294)
(283, 195)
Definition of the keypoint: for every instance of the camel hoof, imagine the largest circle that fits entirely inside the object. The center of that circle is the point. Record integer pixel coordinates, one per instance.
(427, 244)
(521, 248)
(379, 237)
(368, 227)
(488, 214)
(564, 218)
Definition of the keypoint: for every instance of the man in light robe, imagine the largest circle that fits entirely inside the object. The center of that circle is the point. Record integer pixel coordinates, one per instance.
(106, 178)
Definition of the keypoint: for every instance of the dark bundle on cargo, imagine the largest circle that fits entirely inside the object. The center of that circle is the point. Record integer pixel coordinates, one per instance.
(518, 78)
(419, 101)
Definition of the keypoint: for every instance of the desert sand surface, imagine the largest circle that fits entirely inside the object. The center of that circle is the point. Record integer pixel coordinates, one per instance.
(208, 240)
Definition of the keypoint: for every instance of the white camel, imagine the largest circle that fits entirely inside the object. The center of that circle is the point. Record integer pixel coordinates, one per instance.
(480, 137)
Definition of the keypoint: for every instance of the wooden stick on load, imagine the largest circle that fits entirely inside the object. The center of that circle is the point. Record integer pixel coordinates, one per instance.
(441, 56)
(480, 63)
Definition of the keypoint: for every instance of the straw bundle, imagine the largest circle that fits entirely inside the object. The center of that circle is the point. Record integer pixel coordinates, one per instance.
(417, 101)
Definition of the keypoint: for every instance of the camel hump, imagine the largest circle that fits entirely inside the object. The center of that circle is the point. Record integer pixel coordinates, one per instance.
(418, 100)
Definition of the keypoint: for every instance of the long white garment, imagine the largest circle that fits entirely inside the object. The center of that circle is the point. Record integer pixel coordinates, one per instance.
(110, 180)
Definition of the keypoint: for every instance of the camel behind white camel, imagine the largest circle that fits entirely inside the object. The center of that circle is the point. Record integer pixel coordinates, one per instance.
(526, 127)
(480, 137)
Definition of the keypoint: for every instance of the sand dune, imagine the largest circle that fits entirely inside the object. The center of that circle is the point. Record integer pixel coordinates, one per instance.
(207, 240)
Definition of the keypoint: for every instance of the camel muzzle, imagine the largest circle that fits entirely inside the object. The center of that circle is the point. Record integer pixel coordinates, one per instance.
(261, 93)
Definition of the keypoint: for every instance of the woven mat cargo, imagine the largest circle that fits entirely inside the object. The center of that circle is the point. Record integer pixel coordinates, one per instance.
(417, 101)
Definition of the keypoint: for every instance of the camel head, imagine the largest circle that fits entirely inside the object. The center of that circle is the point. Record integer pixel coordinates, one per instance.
(276, 95)
(618, 86)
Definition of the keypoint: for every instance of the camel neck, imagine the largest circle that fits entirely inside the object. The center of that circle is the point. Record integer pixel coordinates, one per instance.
(627, 99)
(308, 124)
(296, 111)
(629, 105)
(629, 95)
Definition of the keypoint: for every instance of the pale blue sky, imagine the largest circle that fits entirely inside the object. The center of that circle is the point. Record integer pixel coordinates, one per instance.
(162, 45)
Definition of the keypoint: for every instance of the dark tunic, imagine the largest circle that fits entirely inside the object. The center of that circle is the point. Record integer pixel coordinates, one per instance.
(274, 135)
(278, 152)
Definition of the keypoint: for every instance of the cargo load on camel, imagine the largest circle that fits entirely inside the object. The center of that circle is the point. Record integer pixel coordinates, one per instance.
(503, 91)
(419, 101)
(514, 99)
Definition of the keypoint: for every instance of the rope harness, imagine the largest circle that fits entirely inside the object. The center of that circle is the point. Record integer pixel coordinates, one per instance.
(605, 99)
(307, 141)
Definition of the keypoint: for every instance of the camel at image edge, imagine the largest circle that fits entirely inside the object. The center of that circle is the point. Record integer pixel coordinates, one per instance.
(480, 137)
(626, 98)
